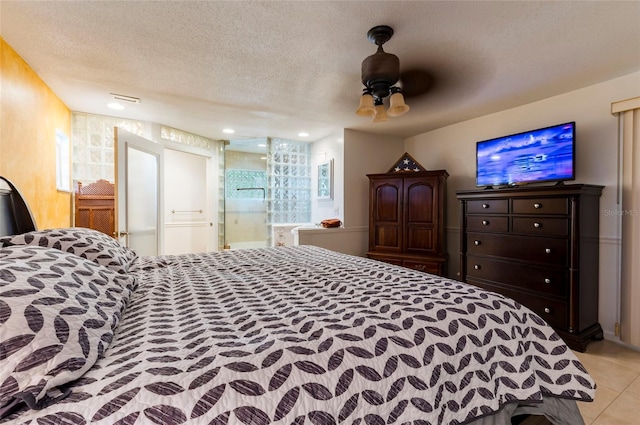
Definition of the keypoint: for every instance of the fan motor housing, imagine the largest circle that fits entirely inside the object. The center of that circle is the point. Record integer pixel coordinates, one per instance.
(380, 71)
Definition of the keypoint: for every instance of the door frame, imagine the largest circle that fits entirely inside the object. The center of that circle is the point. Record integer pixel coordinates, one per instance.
(122, 141)
(158, 148)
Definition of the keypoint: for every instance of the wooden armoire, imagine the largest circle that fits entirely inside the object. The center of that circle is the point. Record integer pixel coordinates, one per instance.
(407, 217)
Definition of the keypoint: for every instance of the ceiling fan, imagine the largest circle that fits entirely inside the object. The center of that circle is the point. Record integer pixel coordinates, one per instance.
(380, 76)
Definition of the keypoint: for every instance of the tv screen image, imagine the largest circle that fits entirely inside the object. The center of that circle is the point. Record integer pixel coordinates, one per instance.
(542, 155)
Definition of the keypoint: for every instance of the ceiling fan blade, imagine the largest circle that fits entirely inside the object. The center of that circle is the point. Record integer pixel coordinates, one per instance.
(415, 82)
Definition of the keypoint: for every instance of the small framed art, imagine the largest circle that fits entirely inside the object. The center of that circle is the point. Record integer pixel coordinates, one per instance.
(325, 180)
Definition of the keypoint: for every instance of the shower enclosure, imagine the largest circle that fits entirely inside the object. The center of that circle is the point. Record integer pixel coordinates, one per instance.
(267, 183)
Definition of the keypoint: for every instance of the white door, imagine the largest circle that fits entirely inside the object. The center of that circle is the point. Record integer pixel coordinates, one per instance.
(139, 167)
(188, 226)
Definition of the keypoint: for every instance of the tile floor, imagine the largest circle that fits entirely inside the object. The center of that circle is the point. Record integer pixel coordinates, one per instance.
(616, 370)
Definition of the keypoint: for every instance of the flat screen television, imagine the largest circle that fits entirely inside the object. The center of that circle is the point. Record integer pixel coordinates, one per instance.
(542, 155)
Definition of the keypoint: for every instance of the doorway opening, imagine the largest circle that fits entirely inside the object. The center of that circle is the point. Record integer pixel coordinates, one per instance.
(267, 185)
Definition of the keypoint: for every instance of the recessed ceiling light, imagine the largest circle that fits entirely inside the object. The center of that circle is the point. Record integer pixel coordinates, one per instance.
(116, 106)
(303, 134)
(262, 145)
(228, 130)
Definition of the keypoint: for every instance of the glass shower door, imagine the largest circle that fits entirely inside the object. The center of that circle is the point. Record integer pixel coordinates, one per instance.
(246, 194)
(267, 186)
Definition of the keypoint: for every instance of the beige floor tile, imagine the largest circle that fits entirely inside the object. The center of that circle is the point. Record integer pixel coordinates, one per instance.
(634, 389)
(613, 352)
(616, 370)
(625, 410)
(609, 374)
(604, 397)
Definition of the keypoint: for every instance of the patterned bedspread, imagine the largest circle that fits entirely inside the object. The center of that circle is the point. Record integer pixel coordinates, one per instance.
(302, 335)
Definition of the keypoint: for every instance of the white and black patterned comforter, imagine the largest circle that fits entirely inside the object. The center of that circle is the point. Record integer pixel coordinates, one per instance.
(302, 335)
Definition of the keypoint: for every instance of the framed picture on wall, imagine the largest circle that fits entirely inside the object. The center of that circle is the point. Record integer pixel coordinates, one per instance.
(325, 180)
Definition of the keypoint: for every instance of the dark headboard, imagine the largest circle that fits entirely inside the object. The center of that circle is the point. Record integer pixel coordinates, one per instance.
(15, 215)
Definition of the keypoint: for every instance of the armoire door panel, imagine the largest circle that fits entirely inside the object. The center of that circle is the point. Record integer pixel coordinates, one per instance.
(419, 203)
(420, 239)
(387, 202)
(387, 237)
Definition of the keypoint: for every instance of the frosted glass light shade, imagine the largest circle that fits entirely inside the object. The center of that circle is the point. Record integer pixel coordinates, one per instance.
(366, 108)
(397, 106)
(381, 114)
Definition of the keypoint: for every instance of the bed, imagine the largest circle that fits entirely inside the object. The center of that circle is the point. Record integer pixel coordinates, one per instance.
(92, 333)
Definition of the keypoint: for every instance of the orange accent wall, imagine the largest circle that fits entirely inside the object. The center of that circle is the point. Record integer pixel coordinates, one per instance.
(30, 113)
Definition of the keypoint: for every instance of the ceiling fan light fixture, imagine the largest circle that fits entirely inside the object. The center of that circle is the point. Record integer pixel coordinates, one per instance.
(366, 108)
(397, 107)
(380, 73)
(381, 112)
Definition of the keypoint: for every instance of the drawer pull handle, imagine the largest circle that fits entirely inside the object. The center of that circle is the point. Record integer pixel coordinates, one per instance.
(485, 222)
(476, 243)
(547, 310)
(420, 267)
(485, 206)
(537, 206)
(547, 280)
(537, 225)
(547, 250)
(477, 267)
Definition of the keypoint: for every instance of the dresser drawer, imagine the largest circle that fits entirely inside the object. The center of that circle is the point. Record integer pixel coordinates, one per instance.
(540, 206)
(476, 223)
(540, 226)
(552, 251)
(424, 266)
(385, 258)
(488, 206)
(546, 280)
(427, 266)
(554, 312)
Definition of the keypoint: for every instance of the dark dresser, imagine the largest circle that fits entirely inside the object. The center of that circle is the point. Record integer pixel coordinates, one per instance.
(539, 246)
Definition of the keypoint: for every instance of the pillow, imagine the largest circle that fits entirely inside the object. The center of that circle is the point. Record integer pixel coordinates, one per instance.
(58, 313)
(86, 243)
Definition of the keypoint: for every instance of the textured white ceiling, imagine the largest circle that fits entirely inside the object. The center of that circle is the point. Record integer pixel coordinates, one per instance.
(275, 68)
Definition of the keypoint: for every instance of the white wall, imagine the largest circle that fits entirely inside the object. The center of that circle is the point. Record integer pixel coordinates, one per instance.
(367, 154)
(453, 148)
(331, 147)
(348, 240)
(364, 154)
